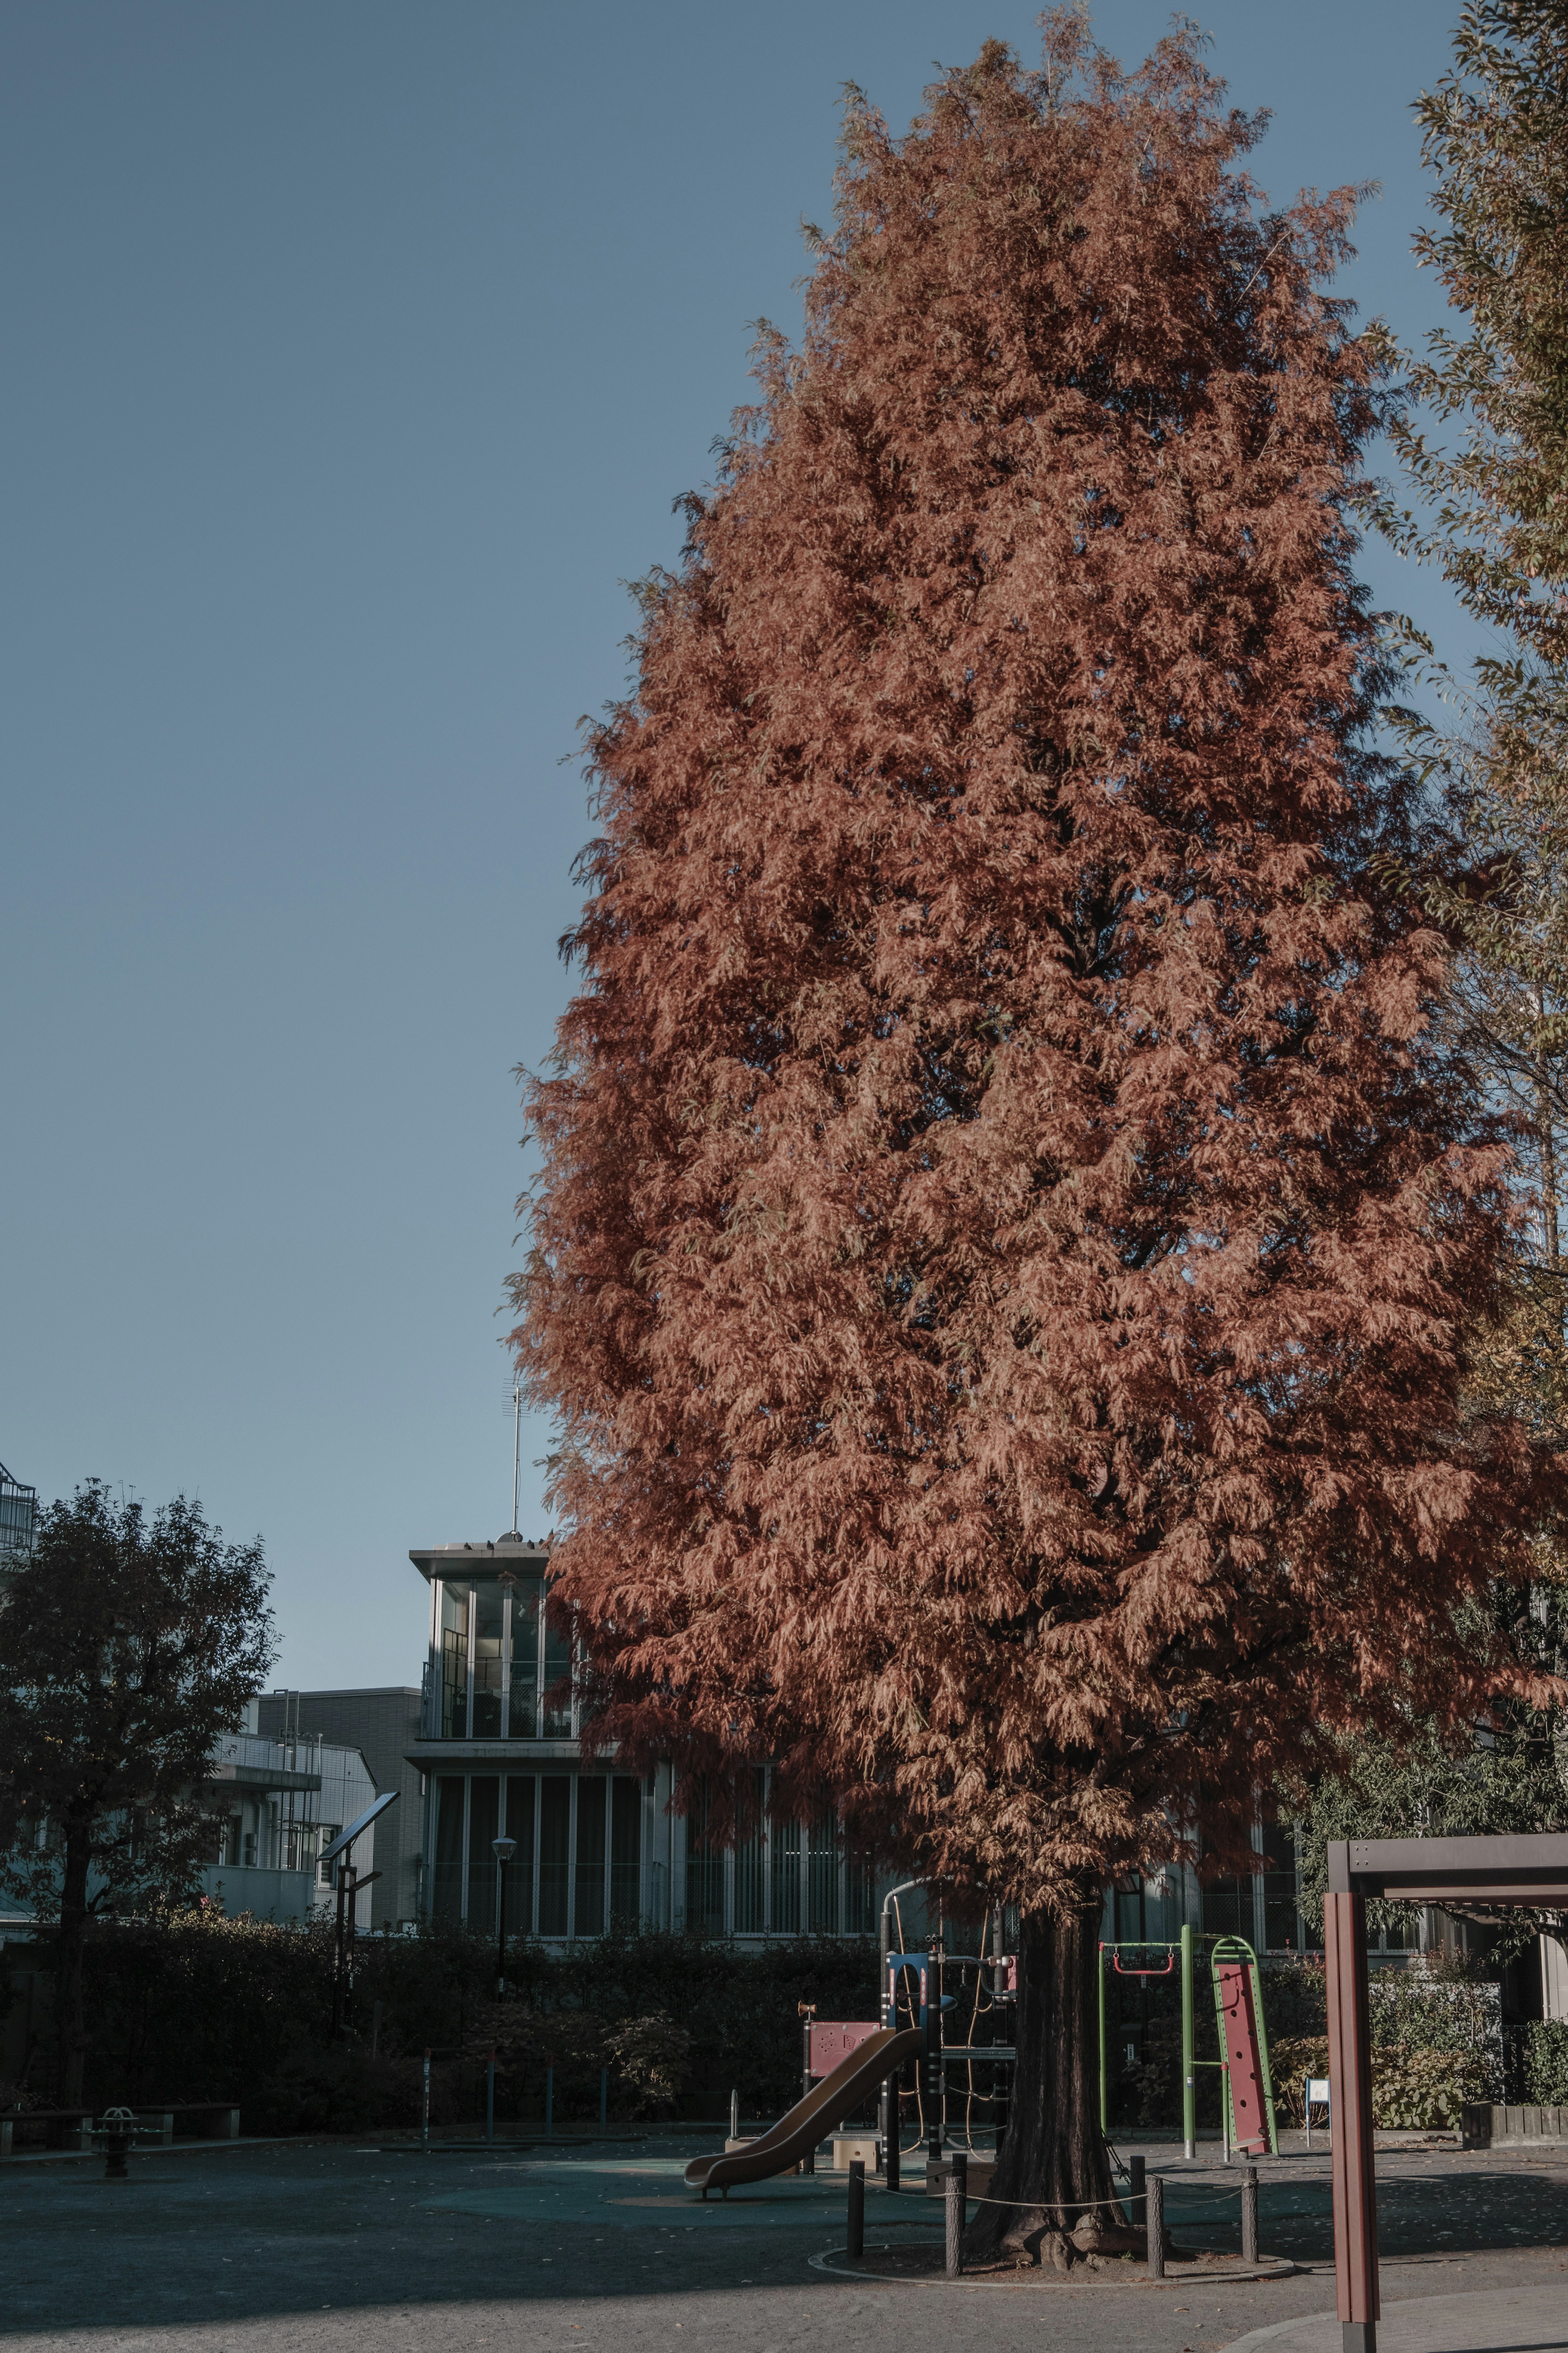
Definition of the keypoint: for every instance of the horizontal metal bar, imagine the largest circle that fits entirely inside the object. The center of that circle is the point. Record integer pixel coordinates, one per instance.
(1460, 1890)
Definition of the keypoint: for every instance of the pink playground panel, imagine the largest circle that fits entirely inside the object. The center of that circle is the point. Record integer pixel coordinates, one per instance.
(832, 2040)
(1241, 2050)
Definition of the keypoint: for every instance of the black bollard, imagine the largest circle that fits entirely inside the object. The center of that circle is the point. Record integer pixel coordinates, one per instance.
(856, 2234)
(1249, 2214)
(1137, 2201)
(114, 2137)
(1156, 2205)
(957, 2204)
(890, 2145)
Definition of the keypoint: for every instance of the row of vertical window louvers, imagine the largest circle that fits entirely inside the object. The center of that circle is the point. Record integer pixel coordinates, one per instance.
(770, 1894)
(578, 1844)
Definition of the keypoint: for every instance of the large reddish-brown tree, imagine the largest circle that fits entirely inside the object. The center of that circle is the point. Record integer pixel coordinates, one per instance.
(1006, 1229)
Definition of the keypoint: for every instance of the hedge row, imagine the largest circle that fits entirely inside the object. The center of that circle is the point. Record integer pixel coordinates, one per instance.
(207, 2007)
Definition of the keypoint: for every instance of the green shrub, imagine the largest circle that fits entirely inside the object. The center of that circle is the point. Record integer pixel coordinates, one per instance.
(1546, 2063)
(343, 2089)
(201, 2007)
(1291, 2059)
(1424, 2091)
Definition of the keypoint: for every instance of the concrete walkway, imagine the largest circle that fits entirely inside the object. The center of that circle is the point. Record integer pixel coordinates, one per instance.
(1503, 2320)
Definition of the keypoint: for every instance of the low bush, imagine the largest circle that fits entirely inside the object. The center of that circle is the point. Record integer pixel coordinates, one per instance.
(1291, 2059)
(1546, 2063)
(1424, 2091)
(346, 2089)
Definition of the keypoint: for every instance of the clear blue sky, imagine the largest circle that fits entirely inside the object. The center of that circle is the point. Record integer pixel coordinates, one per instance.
(356, 351)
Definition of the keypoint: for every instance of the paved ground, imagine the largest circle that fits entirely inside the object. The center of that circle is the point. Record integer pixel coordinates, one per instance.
(264, 2249)
(1519, 2319)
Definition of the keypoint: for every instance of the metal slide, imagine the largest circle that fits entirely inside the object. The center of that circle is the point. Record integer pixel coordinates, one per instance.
(828, 2104)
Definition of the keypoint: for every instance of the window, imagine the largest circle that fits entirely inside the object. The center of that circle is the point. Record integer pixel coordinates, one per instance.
(523, 1717)
(859, 1901)
(330, 1831)
(625, 1852)
(1227, 1909)
(555, 1849)
(484, 1829)
(454, 1663)
(577, 1865)
(785, 1915)
(704, 1875)
(592, 1797)
(824, 1858)
(497, 1655)
(1281, 1927)
(752, 1869)
(447, 1895)
(557, 1668)
(488, 1627)
(519, 1870)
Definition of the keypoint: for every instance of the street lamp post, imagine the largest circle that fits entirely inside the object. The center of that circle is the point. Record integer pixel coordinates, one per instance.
(503, 1850)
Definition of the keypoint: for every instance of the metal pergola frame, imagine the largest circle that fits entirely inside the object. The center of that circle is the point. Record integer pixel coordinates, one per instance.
(1492, 1873)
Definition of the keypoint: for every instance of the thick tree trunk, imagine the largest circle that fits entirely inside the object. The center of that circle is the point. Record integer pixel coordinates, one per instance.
(71, 2024)
(1053, 2178)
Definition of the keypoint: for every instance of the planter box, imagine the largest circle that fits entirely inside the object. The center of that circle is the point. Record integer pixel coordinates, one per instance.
(1487, 2124)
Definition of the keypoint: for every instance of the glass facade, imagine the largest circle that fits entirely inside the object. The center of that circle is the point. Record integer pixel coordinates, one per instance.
(504, 1663)
(594, 1850)
(578, 1860)
(785, 1879)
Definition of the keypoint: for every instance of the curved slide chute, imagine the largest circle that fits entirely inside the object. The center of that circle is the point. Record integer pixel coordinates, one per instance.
(826, 2104)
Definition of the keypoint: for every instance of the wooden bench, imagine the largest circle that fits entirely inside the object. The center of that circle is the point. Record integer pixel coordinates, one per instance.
(45, 2128)
(192, 2120)
(72, 2127)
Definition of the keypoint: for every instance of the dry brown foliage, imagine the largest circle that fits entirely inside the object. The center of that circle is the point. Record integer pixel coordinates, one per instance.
(1005, 1219)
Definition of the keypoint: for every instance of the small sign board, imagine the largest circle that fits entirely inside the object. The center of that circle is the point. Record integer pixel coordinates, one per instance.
(833, 2040)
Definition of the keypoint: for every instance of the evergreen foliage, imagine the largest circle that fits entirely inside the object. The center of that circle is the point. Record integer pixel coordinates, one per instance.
(195, 2006)
(1007, 1218)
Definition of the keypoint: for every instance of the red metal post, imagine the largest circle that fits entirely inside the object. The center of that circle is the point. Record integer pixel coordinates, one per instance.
(1350, 2118)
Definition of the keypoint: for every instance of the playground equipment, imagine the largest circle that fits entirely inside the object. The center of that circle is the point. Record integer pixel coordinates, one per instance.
(914, 1982)
(795, 2138)
(1246, 2100)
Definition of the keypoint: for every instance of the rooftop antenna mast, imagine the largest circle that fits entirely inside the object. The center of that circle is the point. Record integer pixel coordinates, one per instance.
(514, 1400)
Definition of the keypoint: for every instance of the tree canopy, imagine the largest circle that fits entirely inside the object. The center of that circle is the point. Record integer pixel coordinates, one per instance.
(1481, 431)
(1007, 1219)
(127, 1644)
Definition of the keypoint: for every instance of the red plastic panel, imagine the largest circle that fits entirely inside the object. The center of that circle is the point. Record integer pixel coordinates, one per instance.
(1241, 2050)
(832, 2040)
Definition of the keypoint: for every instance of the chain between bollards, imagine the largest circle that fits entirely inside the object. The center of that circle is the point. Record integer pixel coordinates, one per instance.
(1249, 2214)
(957, 2203)
(856, 2236)
(1156, 2202)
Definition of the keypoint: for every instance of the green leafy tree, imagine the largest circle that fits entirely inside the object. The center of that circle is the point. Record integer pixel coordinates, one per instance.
(1505, 1773)
(1483, 441)
(128, 1645)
